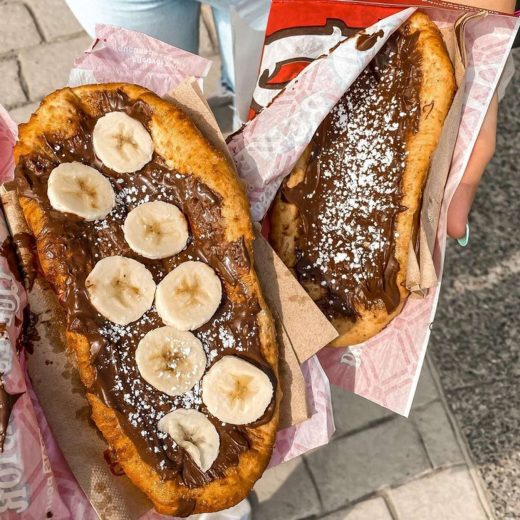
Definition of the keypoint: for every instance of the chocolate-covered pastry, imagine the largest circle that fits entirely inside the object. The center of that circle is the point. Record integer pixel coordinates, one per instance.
(344, 218)
(143, 231)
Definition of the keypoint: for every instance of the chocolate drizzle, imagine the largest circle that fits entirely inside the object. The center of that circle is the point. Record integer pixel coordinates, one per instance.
(26, 248)
(7, 251)
(75, 246)
(367, 41)
(351, 192)
(7, 402)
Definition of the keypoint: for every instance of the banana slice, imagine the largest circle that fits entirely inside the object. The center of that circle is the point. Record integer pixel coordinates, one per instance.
(235, 391)
(194, 432)
(121, 289)
(77, 188)
(171, 360)
(188, 296)
(121, 142)
(156, 230)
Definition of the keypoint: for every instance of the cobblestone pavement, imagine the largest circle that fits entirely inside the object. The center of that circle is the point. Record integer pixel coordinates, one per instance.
(39, 40)
(378, 466)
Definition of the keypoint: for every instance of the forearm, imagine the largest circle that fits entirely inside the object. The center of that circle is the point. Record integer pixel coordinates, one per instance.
(504, 6)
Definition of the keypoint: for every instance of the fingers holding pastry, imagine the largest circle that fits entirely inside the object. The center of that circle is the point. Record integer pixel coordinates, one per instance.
(482, 154)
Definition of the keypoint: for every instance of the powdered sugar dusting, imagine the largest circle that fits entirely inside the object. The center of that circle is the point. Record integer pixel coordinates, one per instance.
(351, 193)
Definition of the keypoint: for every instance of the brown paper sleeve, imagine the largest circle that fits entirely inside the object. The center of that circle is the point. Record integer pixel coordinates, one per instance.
(302, 328)
(188, 96)
(421, 273)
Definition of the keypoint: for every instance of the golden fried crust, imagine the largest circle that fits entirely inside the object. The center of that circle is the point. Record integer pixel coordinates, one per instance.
(436, 94)
(184, 149)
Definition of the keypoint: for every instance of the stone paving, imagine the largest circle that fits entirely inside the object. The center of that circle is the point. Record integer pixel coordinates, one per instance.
(39, 40)
(475, 341)
(378, 466)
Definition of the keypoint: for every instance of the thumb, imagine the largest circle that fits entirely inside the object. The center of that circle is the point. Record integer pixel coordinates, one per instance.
(458, 211)
(483, 152)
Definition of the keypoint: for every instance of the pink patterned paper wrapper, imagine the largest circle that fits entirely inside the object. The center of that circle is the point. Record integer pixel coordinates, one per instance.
(42, 476)
(35, 481)
(119, 54)
(386, 368)
(315, 432)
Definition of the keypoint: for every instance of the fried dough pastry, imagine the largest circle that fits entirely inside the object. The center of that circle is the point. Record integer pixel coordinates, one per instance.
(344, 218)
(190, 463)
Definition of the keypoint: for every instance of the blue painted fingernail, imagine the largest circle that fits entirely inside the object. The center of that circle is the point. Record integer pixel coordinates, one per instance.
(464, 241)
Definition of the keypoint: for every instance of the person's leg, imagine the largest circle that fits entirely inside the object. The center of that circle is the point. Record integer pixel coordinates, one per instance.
(173, 21)
(225, 40)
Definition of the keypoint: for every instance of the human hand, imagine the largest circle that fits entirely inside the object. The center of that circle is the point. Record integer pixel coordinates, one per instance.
(483, 152)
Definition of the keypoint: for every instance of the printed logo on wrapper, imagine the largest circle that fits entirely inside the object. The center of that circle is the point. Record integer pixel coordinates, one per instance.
(352, 357)
(311, 42)
(9, 298)
(267, 148)
(14, 492)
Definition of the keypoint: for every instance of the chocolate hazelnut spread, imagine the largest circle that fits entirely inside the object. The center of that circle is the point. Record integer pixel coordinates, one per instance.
(367, 41)
(351, 193)
(76, 245)
(7, 251)
(7, 402)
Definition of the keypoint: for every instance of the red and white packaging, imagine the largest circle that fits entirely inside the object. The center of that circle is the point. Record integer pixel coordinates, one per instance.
(268, 146)
(303, 38)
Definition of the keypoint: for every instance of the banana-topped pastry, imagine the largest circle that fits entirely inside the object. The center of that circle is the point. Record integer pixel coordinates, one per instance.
(344, 218)
(143, 232)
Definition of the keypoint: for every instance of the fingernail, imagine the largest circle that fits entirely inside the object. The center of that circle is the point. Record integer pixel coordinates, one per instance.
(464, 241)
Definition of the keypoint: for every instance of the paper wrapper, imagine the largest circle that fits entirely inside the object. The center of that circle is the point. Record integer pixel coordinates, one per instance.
(30, 484)
(267, 147)
(306, 389)
(138, 58)
(386, 368)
